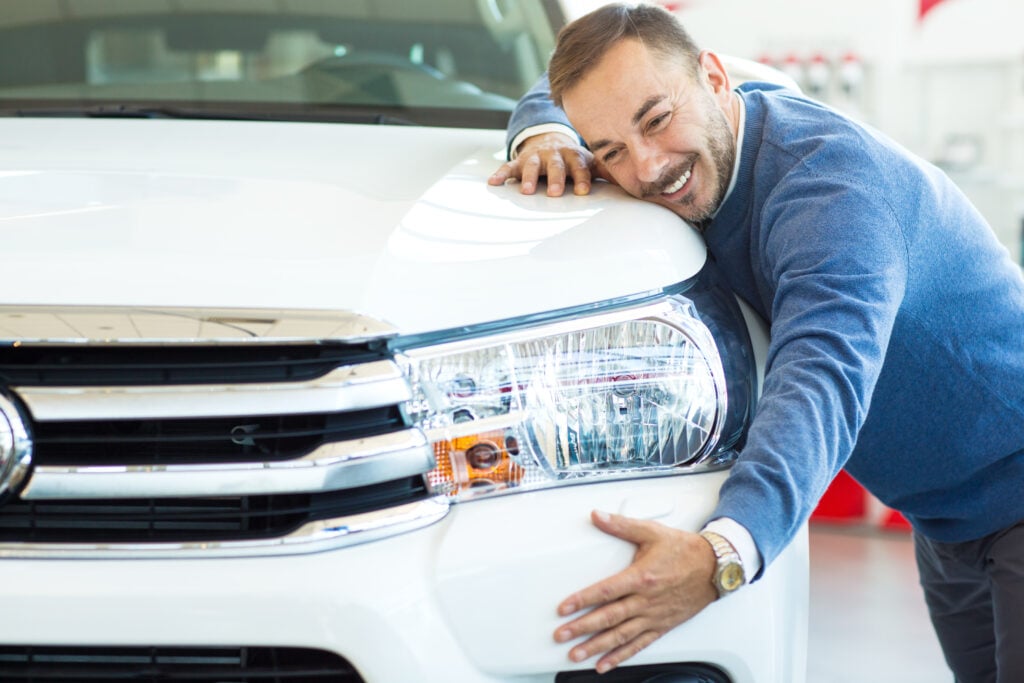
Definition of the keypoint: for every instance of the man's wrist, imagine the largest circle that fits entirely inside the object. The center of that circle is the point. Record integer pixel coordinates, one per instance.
(540, 129)
(741, 540)
(728, 576)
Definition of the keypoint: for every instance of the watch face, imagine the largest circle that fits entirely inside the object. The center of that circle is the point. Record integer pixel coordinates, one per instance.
(732, 577)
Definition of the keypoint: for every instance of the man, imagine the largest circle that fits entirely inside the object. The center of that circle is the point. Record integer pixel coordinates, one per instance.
(897, 324)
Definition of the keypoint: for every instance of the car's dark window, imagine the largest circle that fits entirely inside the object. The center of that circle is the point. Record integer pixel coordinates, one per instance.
(252, 55)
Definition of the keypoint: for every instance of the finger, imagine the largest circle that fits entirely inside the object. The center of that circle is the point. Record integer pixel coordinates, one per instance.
(580, 170)
(581, 180)
(603, 619)
(626, 651)
(510, 170)
(556, 176)
(529, 173)
(602, 593)
(609, 641)
(501, 176)
(636, 531)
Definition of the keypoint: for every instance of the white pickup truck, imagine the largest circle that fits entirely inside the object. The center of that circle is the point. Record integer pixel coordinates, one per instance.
(289, 393)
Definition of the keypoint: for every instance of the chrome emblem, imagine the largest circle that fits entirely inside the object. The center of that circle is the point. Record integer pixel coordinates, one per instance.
(15, 448)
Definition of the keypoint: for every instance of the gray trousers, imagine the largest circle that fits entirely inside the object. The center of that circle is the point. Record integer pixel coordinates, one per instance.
(975, 596)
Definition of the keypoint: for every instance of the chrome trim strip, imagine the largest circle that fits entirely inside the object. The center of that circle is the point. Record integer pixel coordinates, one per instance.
(111, 325)
(331, 467)
(329, 534)
(368, 385)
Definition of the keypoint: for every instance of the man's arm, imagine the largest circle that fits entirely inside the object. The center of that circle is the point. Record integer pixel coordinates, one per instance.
(542, 143)
(838, 269)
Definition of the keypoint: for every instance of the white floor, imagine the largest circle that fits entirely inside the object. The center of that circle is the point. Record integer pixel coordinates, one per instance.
(868, 620)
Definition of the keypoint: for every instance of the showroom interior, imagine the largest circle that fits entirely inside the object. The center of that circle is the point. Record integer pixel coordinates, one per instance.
(296, 348)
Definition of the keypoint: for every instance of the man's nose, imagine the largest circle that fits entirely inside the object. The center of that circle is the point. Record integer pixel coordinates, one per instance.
(650, 162)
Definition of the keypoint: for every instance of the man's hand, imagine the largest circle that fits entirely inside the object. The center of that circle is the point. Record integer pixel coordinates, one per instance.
(669, 581)
(555, 155)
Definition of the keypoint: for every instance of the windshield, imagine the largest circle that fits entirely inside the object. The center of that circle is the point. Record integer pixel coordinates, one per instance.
(435, 62)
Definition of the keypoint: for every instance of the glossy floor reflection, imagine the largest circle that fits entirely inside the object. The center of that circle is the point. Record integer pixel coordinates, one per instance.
(868, 620)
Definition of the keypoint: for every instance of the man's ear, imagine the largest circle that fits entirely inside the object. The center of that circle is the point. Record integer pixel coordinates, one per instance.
(713, 73)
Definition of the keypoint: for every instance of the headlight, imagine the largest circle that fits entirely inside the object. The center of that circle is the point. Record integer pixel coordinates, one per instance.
(635, 392)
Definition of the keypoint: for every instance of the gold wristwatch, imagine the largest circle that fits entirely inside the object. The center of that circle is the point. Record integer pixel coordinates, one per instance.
(729, 574)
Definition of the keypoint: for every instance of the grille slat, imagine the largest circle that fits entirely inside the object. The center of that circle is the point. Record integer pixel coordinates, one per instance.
(44, 366)
(211, 440)
(194, 520)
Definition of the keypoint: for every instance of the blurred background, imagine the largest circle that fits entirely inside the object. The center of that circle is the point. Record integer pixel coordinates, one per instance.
(943, 77)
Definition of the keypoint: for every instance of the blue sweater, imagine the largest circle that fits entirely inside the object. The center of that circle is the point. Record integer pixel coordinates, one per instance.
(897, 324)
(897, 330)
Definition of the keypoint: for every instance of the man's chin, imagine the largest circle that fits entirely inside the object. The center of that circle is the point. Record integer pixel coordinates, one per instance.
(688, 212)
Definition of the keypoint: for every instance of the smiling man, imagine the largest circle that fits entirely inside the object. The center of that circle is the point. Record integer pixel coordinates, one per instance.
(675, 147)
(895, 316)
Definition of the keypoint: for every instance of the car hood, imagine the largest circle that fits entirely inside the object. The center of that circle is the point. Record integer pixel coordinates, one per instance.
(395, 223)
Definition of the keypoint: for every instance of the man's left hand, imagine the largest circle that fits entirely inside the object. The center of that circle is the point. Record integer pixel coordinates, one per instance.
(668, 582)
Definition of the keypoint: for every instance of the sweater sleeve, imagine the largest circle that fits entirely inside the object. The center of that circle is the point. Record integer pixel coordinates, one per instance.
(834, 261)
(533, 109)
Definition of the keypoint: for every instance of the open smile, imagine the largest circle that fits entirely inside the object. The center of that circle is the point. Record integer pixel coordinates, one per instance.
(679, 184)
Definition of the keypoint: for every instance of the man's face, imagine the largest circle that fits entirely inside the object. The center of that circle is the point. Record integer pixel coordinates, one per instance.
(655, 131)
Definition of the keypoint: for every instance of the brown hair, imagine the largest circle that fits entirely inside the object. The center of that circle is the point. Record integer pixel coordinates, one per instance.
(582, 43)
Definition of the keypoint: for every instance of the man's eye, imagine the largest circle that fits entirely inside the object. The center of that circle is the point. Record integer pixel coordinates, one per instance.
(657, 121)
(610, 155)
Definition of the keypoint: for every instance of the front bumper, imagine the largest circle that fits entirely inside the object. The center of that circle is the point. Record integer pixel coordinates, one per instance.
(470, 598)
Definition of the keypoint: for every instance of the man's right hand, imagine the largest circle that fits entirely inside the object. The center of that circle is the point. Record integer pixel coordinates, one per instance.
(555, 155)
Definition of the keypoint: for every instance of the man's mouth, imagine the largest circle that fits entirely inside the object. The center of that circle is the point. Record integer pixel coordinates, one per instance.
(679, 183)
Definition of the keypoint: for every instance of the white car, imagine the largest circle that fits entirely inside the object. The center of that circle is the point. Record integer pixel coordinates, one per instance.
(289, 393)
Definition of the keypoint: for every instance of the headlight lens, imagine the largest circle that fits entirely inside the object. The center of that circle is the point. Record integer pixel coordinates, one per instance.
(637, 391)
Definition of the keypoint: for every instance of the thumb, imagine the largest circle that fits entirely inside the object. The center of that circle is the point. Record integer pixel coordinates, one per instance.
(636, 531)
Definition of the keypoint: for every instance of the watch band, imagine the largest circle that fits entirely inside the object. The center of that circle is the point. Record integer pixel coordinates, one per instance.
(729, 574)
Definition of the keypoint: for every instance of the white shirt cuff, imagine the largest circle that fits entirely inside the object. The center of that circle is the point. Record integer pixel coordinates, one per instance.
(513, 149)
(741, 540)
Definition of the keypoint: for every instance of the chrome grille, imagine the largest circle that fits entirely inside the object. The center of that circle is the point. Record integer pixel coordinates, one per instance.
(184, 447)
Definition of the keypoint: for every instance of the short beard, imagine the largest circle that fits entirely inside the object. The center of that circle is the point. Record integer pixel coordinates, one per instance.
(722, 149)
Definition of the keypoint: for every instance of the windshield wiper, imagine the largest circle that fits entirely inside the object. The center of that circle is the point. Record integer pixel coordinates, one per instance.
(149, 111)
(128, 111)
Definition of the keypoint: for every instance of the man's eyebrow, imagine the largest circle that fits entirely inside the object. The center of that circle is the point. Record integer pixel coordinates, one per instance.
(648, 104)
(646, 107)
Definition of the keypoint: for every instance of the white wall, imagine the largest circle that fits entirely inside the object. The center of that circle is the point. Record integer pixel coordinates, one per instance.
(950, 87)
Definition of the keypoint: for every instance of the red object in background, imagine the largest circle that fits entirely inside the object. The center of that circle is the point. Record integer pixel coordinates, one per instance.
(844, 501)
(894, 521)
(847, 502)
(925, 6)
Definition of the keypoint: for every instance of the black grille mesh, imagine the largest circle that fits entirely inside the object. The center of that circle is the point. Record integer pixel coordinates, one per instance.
(164, 664)
(248, 438)
(170, 520)
(184, 364)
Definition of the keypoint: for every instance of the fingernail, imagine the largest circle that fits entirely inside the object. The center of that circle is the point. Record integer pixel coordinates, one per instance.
(602, 516)
(563, 635)
(527, 187)
(577, 655)
(602, 667)
(567, 608)
(554, 188)
(582, 188)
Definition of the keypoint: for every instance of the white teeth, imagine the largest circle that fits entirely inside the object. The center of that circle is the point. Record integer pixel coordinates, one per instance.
(678, 185)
